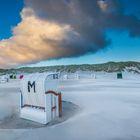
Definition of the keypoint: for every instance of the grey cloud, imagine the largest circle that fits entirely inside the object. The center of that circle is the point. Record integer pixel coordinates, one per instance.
(87, 18)
(52, 29)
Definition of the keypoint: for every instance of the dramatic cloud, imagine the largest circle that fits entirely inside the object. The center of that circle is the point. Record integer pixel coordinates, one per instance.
(52, 29)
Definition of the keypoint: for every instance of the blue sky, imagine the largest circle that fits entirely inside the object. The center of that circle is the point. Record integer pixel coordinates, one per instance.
(9, 15)
(123, 48)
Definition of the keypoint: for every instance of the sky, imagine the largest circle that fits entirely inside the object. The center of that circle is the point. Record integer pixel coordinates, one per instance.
(17, 15)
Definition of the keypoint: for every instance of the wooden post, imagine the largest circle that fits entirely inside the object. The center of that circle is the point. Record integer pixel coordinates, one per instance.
(60, 104)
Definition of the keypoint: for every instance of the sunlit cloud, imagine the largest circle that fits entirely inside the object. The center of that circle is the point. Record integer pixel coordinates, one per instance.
(57, 29)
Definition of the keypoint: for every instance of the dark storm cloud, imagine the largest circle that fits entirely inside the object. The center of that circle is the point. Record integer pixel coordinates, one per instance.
(89, 18)
(52, 29)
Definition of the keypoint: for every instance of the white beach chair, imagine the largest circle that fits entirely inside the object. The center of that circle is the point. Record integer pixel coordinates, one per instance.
(40, 100)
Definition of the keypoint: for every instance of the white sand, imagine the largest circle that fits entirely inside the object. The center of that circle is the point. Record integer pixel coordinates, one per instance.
(110, 111)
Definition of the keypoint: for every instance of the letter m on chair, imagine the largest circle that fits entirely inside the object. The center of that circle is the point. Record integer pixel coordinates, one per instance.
(31, 85)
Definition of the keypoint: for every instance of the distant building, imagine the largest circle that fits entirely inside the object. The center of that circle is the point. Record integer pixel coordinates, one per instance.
(119, 75)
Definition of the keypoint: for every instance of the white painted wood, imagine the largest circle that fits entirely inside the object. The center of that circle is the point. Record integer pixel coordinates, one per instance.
(36, 105)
